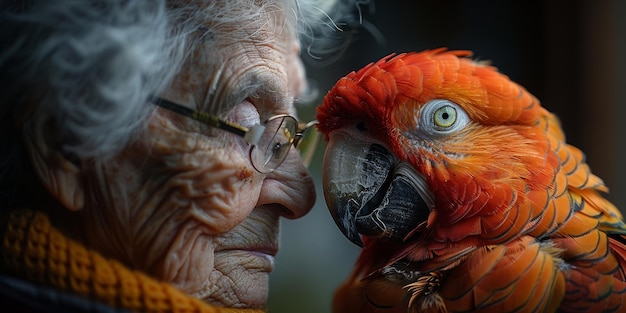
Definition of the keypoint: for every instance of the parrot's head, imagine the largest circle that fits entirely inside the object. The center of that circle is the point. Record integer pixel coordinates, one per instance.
(434, 144)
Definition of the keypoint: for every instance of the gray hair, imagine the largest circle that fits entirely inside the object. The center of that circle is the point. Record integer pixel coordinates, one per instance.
(90, 65)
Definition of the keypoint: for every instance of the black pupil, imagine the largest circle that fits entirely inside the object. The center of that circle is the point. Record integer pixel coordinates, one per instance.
(445, 116)
(277, 146)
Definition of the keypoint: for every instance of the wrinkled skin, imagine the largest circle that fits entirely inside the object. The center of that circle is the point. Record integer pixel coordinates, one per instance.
(182, 201)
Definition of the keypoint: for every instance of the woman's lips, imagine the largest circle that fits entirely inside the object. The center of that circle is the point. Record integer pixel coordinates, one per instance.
(270, 250)
(266, 254)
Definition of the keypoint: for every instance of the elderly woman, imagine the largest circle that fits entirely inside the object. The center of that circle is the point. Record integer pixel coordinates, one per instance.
(146, 151)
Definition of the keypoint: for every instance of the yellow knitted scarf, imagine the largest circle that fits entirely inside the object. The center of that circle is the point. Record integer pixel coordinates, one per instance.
(33, 249)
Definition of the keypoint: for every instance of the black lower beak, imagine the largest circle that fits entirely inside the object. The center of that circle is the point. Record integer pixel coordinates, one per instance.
(400, 210)
(369, 193)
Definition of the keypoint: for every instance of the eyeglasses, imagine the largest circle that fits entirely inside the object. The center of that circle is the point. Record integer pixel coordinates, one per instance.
(269, 142)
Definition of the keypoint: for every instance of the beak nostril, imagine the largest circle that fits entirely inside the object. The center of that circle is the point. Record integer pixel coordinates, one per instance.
(361, 126)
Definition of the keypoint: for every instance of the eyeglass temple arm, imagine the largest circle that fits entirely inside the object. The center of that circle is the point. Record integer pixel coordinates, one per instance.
(200, 116)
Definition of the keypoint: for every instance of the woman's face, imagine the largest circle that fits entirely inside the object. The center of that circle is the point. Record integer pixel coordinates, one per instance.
(182, 202)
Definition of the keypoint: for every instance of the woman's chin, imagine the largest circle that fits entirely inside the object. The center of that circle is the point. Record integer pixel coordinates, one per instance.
(240, 279)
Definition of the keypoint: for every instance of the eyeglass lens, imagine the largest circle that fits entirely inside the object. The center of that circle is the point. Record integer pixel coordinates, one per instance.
(308, 143)
(274, 144)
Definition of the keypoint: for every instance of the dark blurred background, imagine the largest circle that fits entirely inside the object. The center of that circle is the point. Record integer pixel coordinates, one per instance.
(570, 54)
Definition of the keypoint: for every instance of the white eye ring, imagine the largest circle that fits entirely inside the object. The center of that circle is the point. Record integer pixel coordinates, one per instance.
(442, 117)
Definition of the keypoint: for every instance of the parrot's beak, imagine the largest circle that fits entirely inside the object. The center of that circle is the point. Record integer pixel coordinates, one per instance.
(369, 193)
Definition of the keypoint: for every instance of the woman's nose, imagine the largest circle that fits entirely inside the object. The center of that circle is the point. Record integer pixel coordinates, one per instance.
(290, 186)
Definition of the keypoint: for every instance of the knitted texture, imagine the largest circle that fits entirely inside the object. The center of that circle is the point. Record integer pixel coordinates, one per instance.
(35, 250)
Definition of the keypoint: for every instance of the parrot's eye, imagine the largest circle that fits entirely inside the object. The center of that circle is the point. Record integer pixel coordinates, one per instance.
(443, 117)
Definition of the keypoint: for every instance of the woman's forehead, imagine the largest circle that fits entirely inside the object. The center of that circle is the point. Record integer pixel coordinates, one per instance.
(261, 66)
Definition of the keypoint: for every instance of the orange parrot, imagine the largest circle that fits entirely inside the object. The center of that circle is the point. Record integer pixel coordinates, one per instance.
(464, 194)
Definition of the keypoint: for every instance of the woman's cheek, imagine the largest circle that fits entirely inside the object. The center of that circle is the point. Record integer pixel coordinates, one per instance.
(210, 178)
(218, 195)
(164, 182)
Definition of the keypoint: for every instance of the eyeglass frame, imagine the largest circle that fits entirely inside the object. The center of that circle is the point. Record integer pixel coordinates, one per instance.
(251, 135)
